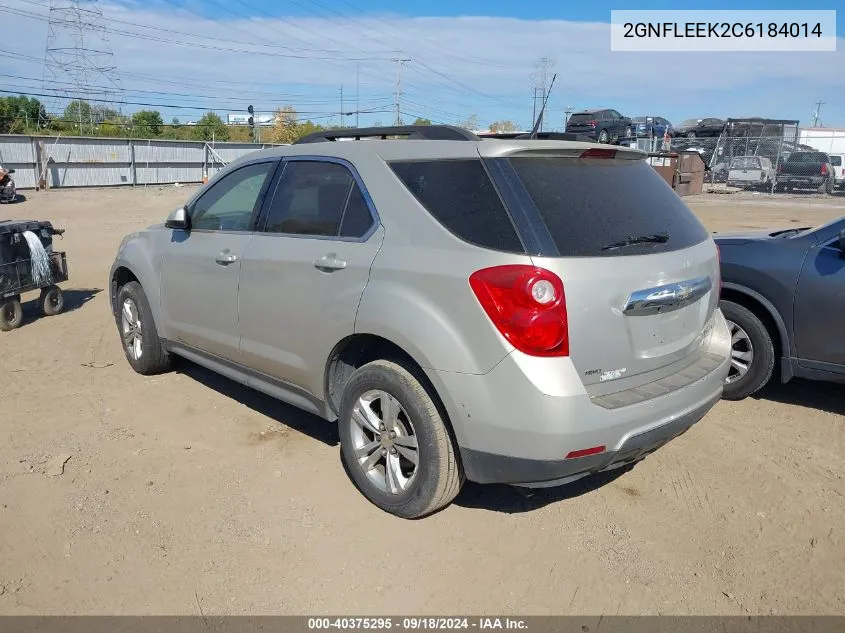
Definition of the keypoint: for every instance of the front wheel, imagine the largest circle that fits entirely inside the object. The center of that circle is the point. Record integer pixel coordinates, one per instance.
(141, 344)
(394, 442)
(752, 352)
(11, 314)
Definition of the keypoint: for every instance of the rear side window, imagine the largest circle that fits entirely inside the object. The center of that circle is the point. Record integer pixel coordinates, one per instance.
(319, 199)
(591, 205)
(459, 194)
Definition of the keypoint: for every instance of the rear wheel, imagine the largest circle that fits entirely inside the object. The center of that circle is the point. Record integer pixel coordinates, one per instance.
(394, 442)
(52, 301)
(11, 314)
(690, 134)
(141, 344)
(603, 136)
(752, 352)
(829, 187)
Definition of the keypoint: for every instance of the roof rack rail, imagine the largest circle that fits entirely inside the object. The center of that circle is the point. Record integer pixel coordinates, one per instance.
(418, 132)
(540, 136)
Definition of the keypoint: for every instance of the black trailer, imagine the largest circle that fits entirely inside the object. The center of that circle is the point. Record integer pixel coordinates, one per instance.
(20, 272)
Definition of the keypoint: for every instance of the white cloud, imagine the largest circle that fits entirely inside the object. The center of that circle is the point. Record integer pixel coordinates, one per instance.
(474, 56)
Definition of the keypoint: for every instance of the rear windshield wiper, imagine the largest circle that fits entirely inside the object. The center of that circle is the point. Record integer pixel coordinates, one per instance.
(657, 238)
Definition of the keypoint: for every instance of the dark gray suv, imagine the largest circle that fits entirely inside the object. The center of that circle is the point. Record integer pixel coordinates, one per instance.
(603, 125)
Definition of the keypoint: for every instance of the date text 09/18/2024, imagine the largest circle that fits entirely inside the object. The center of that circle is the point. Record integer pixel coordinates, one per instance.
(417, 623)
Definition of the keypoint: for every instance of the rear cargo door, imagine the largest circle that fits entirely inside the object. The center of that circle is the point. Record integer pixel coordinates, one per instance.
(640, 273)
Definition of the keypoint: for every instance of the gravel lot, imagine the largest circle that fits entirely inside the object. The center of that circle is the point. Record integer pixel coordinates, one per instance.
(183, 493)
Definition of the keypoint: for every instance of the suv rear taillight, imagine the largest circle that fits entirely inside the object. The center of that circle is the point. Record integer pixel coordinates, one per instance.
(527, 306)
(824, 169)
(592, 123)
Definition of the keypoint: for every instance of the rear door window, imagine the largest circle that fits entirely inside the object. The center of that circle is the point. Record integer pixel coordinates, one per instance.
(591, 205)
(319, 199)
(460, 195)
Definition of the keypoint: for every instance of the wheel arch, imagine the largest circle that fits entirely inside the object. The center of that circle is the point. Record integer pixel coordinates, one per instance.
(766, 311)
(357, 350)
(122, 273)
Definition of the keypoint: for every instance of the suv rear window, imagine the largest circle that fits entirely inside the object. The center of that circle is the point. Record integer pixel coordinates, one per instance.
(583, 117)
(459, 194)
(591, 204)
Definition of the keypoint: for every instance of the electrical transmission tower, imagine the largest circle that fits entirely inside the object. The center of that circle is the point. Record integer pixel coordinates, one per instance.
(399, 61)
(541, 79)
(79, 64)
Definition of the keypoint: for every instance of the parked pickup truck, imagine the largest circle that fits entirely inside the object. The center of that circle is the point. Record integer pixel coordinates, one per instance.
(838, 162)
(806, 170)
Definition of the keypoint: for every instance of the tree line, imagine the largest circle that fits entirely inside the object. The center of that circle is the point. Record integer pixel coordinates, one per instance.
(27, 115)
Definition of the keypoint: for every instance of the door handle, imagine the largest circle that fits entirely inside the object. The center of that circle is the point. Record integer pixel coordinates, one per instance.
(225, 258)
(329, 262)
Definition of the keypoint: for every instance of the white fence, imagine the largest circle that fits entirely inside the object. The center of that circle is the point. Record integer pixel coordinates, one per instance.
(101, 162)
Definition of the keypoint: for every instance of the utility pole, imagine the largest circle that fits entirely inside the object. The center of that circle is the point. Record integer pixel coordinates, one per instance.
(399, 61)
(819, 105)
(357, 92)
(534, 108)
(341, 105)
(567, 111)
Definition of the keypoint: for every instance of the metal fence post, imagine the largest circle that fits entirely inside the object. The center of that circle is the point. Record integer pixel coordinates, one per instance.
(777, 162)
(132, 169)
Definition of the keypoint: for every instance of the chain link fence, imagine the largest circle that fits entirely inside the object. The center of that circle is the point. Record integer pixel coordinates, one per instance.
(774, 158)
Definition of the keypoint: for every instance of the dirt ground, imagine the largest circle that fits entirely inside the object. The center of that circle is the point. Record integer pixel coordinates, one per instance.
(186, 493)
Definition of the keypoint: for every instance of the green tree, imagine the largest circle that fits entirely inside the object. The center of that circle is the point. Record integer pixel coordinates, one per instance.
(20, 114)
(147, 123)
(210, 127)
(421, 121)
(78, 115)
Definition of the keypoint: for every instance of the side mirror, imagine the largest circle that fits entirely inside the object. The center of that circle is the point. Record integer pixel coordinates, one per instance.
(10, 171)
(179, 219)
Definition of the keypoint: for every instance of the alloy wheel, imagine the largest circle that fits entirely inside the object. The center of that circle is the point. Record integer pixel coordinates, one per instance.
(384, 442)
(742, 353)
(130, 327)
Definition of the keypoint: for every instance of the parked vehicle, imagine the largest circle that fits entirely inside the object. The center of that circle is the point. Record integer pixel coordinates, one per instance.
(806, 170)
(751, 171)
(780, 293)
(603, 125)
(407, 291)
(8, 193)
(692, 128)
(651, 126)
(837, 161)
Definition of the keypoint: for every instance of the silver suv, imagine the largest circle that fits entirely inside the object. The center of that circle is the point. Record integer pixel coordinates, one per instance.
(515, 311)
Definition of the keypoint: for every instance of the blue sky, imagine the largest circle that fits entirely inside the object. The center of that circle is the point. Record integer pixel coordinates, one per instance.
(468, 57)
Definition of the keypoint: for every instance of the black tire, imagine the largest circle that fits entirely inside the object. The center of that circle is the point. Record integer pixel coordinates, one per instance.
(829, 188)
(153, 358)
(763, 360)
(438, 477)
(11, 314)
(52, 301)
(690, 134)
(603, 136)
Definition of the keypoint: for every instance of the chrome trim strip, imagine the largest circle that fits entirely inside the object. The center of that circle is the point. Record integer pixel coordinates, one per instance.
(666, 298)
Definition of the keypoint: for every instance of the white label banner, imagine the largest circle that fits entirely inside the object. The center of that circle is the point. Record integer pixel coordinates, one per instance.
(713, 31)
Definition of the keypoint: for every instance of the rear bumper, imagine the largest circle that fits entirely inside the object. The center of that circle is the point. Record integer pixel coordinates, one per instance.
(813, 181)
(517, 423)
(489, 468)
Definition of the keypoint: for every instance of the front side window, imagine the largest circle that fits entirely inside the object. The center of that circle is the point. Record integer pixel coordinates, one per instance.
(319, 199)
(229, 204)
